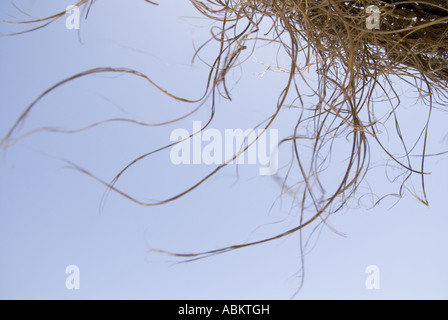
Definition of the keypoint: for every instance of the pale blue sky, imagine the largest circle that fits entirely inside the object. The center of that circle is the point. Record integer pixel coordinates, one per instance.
(49, 216)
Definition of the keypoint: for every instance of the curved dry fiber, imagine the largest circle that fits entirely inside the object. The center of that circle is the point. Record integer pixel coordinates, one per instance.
(354, 65)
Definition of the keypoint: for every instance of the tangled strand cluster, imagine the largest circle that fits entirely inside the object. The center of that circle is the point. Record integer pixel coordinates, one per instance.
(354, 66)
